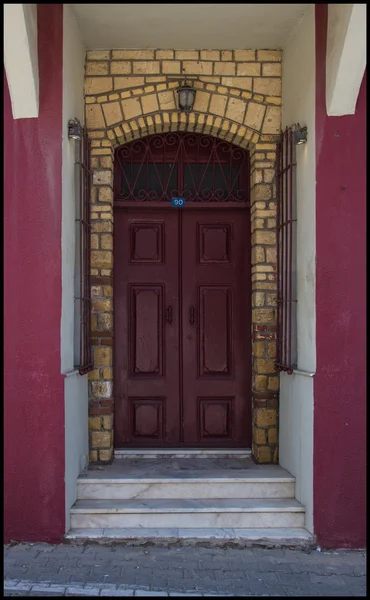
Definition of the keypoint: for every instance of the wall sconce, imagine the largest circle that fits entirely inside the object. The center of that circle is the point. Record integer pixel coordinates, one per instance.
(299, 135)
(74, 129)
(186, 97)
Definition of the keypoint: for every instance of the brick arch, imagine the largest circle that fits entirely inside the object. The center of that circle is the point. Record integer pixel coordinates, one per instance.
(262, 147)
(235, 115)
(203, 123)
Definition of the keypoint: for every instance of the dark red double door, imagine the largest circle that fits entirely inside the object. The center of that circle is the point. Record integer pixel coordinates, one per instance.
(182, 328)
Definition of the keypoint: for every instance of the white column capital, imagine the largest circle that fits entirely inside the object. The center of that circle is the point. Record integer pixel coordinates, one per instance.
(21, 58)
(345, 57)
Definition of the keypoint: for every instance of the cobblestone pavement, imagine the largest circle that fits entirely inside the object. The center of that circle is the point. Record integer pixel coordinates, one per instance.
(117, 570)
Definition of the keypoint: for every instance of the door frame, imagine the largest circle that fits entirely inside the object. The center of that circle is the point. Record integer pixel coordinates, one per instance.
(179, 151)
(265, 378)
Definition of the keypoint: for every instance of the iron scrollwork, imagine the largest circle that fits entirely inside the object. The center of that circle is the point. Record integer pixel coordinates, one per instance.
(198, 167)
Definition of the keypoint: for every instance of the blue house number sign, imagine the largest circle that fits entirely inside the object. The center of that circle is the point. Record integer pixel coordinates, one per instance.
(178, 202)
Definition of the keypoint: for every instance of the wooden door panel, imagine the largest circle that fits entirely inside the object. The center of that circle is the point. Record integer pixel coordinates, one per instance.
(146, 242)
(216, 328)
(147, 400)
(216, 419)
(214, 240)
(146, 330)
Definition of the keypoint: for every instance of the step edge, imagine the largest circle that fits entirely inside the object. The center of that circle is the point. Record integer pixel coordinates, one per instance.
(161, 511)
(159, 530)
(182, 451)
(122, 481)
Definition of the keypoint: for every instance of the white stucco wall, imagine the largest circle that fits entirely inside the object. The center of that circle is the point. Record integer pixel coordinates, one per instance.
(76, 435)
(296, 436)
(296, 391)
(75, 389)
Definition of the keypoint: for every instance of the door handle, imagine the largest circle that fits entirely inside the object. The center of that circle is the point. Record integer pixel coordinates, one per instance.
(192, 315)
(169, 315)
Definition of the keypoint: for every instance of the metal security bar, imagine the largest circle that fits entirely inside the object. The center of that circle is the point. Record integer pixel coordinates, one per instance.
(286, 354)
(83, 297)
(199, 168)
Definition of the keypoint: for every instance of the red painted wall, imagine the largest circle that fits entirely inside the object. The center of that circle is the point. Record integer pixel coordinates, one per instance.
(340, 397)
(34, 387)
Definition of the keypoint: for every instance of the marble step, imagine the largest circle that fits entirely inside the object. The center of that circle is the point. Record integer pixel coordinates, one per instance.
(162, 478)
(181, 453)
(185, 487)
(269, 536)
(220, 513)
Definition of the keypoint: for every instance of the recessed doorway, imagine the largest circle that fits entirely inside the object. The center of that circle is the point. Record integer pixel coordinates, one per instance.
(182, 312)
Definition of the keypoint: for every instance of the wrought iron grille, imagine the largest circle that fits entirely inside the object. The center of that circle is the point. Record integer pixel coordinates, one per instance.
(199, 168)
(83, 291)
(286, 355)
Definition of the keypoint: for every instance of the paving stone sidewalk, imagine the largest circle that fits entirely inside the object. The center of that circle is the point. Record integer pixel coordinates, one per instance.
(118, 570)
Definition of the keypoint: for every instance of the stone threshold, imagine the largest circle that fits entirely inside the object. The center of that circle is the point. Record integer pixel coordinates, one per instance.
(181, 453)
(166, 469)
(239, 537)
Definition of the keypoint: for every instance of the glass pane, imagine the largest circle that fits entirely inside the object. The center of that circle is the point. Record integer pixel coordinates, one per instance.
(151, 181)
(138, 181)
(155, 182)
(190, 180)
(125, 181)
(171, 186)
(214, 182)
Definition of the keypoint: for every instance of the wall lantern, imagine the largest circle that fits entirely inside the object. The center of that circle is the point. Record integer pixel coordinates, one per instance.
(186, 97)
(299, 134)
(74, 129)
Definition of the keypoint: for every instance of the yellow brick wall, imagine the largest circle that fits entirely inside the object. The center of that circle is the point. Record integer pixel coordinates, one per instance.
(132, 93)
